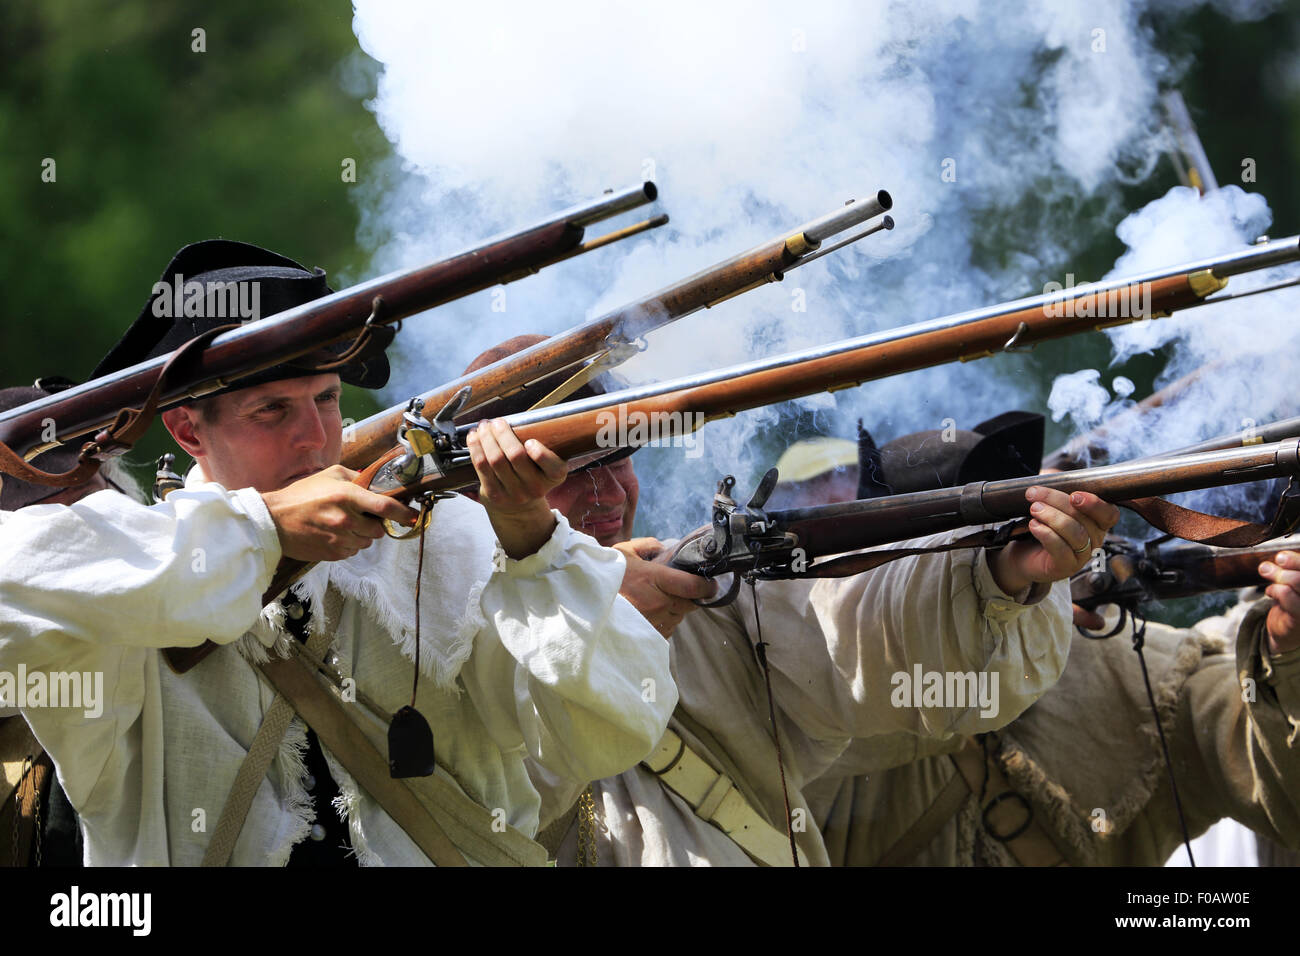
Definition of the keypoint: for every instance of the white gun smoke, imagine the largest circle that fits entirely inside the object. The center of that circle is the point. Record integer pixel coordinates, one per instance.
(752, 118)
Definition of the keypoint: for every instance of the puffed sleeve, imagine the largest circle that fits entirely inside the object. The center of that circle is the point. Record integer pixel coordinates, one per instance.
(108, 570)
(566, 664)
(926, 645)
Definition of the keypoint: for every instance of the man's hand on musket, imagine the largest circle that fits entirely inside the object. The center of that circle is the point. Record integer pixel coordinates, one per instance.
(662, 594)
(325, 517)
(1283, 623)
(514, 479)
(1066, 530)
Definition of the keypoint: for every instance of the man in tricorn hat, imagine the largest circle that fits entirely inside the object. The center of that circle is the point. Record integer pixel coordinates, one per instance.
(524, 646)
(1080, 778)
(714, 791)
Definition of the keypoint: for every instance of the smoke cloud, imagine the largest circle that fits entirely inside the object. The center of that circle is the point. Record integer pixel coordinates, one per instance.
(981, 117)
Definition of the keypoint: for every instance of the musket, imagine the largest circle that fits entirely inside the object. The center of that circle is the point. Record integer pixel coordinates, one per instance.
(431, 453)
(1090, 445)
(432, 457)
(1133, 573)
(772, 545)
(343, 316)
(600, 344)
(1279, 430)
(1186, 151)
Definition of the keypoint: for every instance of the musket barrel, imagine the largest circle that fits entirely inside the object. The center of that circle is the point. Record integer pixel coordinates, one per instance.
(611, 204)
(853, 212)
(1272, 252)
(1272, 432)
(887, 520)
(566, 350)
(287, 335)
(906, 348)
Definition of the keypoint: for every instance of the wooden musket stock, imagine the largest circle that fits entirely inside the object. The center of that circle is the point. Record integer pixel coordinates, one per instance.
(615, 333)
(308, 328)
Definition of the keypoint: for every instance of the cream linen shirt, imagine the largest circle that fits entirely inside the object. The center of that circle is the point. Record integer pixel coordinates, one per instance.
(538, 657)
(835, 648)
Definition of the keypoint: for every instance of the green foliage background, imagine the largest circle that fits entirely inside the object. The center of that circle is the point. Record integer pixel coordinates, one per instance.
(157, 145)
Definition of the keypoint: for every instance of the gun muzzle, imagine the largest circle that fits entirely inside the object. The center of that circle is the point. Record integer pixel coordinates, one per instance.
(854, 211)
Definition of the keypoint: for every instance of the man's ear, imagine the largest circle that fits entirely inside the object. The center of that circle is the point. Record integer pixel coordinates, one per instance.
(181, 422)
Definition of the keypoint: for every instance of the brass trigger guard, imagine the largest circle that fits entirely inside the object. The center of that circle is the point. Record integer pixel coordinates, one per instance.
(399, 533)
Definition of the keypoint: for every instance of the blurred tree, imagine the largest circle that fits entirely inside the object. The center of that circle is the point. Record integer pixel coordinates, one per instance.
(167, 123)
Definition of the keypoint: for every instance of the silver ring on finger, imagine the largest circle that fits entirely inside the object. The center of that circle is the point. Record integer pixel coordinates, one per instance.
(1086, 548)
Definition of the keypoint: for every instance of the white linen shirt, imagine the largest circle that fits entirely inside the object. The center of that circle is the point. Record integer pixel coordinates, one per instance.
(536, 657)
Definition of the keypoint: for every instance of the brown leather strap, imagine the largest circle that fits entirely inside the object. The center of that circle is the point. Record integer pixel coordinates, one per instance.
(1194, 526)
(1213, 529)
(370, 341)
(11, 463)
(927, 826)
(127, 428)
(294, 679)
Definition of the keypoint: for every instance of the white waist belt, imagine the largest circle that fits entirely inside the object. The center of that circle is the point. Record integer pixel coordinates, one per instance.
(715, 799)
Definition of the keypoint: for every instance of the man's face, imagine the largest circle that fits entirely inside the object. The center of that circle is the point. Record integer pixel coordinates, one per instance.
(267, 436)
(600, 502)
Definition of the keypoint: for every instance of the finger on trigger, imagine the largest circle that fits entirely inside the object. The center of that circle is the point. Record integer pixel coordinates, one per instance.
(382, 506)
(367, 527)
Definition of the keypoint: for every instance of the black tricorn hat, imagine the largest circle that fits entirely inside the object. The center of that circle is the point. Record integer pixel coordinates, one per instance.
(219, 282)
(1008, 446)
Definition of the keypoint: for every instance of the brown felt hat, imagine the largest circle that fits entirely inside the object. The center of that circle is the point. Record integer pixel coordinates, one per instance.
(1007, 446)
